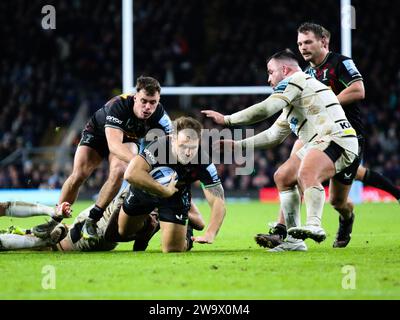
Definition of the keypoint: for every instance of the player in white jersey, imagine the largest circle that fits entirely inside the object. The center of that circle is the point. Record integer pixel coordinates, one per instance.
(311, 111)
(68, 238)
(59, 236)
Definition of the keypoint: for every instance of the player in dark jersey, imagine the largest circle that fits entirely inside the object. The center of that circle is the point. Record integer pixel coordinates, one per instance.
(181, 151)
(342, 76)
(113, 133)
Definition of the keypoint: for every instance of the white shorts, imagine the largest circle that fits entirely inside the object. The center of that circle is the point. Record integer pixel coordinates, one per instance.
(342, 158)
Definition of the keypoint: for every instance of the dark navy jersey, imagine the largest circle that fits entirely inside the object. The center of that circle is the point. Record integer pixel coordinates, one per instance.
(338, 72)
(118, 113)
(159, 153)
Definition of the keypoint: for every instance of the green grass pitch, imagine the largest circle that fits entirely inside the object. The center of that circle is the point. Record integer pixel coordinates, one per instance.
(234, 267)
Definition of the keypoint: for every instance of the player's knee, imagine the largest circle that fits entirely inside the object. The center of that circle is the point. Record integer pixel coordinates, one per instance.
(117, 174)
(338, 203)
(78, 177)
(122, 232)
(306, 178)
(282, 179)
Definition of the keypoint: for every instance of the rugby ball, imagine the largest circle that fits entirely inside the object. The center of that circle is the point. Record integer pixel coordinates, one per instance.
(163, 175)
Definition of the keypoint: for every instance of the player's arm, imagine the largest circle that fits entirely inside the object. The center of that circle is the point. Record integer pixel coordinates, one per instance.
(268, 138)
(354, 92)
(252, 114)
(137, 174)
(286, 92)
(114, 138)
(349, 75)
(216, 199)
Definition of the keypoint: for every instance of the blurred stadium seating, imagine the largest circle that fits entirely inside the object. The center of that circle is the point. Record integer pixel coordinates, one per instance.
(46, 75)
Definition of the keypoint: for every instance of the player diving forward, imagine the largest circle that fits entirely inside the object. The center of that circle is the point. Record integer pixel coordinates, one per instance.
(180, 151)
(311, 111)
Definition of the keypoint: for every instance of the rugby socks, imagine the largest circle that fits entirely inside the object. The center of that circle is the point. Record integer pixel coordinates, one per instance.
(96, 213)
(290, 204)
(375, 179)
(314, 198)
(16, 241)
(24, 209)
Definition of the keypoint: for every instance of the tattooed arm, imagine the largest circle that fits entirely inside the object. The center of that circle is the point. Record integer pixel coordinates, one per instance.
(216, 200)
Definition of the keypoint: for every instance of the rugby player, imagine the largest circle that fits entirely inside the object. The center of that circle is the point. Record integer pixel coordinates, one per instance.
(311, 111)
(68, 238)
(340, 74)
(113, 132)
(180, 151)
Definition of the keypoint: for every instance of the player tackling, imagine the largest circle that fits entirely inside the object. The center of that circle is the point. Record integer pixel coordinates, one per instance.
(311, 111)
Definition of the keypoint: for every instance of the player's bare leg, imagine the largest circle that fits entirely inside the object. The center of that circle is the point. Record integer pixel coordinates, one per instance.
(315, 168)
(173, 237)
(279, 228)
(86, 160)
(339, 199)
(128, 226)
(107, 193)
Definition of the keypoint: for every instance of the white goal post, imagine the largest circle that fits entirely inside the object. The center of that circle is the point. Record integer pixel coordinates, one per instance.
(128, 66)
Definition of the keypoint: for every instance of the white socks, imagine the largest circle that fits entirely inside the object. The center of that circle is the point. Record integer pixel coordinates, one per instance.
(25, 209)
(290, 205)
(16, 241)
(314, 198)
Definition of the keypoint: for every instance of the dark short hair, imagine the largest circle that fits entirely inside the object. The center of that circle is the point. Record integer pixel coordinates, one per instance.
(148, 84)
(286, 54)
(183, 123)
(317, 29)
(325, 33)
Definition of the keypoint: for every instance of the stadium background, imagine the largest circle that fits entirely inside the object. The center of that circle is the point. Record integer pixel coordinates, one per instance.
(51, 80)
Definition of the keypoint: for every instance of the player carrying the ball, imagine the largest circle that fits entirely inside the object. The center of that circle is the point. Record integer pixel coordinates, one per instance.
(181, 152)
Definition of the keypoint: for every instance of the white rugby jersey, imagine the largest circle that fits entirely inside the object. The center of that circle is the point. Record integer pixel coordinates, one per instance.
(310, 110)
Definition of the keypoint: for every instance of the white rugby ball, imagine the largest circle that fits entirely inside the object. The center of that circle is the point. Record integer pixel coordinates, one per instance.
(163, 175)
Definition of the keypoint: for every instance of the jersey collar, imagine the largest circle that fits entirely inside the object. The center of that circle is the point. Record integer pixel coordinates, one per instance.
(323, 61)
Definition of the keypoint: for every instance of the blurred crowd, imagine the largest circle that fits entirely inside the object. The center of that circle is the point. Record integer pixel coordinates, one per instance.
(45, 75)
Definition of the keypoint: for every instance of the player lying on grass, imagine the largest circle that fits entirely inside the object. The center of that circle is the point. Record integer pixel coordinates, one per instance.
(68, 238)
(181, 152)
(312, 111)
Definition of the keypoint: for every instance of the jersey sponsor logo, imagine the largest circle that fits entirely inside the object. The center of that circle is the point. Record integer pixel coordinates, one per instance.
(345, 125)
(351, 68)
(130, 124)
(325, 77)
(293, 123)
(212, 170)
(166, 123)
(113, 119)
(312, 72)
(150, 156)
(87, 138)
(281, 86)
(128, 199)
(347, 176)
